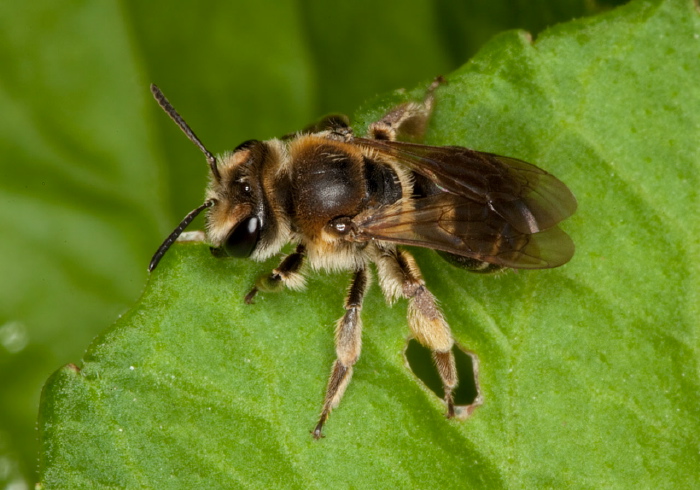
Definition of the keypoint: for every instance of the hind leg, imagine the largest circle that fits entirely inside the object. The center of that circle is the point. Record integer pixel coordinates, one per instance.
(406, 122)
(400, 277)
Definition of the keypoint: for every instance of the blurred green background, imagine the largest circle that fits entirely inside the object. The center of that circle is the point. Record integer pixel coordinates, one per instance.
(93, 175)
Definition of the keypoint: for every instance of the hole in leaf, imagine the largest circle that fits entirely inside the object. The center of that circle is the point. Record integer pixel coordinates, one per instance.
(466, 396)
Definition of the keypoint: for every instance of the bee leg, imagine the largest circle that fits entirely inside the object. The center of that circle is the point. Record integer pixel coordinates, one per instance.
(286, 274)
(408, 121)
(400, 276)
(348, 343)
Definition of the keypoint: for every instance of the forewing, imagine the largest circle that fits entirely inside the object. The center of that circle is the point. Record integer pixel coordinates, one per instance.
(460, 226)
(526, 197)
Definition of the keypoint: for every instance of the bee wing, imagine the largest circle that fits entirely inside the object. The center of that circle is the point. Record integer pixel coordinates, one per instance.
(460, 226)
(526, 197)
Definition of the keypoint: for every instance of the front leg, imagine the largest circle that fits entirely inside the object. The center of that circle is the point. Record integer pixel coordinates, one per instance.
(348, 343)
(288, 274)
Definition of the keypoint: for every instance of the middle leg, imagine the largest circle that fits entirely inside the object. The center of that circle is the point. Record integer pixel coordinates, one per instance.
(348, 343)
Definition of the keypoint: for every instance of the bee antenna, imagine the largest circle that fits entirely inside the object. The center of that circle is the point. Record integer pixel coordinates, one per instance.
(177, 232)
(170, 111)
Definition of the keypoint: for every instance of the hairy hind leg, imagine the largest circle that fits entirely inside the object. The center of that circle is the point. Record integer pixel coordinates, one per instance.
(400, 277)
(407, 121)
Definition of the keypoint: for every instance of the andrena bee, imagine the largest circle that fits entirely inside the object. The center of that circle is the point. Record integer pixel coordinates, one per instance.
(347, 202)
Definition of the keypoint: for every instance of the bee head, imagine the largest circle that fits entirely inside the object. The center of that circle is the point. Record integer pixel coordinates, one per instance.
(237, 212)
(239, 215)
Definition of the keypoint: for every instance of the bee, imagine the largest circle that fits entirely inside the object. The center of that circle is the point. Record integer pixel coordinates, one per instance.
(346, 202)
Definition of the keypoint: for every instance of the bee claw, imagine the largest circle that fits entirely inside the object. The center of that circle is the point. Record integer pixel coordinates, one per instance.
(316, 433)
(249, 297)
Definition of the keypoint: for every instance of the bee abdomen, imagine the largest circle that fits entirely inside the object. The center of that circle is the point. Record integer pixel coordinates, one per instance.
(470, 264)
(383, 185)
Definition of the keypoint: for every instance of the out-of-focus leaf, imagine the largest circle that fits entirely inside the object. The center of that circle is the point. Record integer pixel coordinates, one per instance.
(64, 144)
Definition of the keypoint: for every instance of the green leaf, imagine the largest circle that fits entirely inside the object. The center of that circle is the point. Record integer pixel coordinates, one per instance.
(93, 174)
(588, 372)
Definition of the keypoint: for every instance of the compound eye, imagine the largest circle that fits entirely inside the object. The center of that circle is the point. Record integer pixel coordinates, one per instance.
(243, 238)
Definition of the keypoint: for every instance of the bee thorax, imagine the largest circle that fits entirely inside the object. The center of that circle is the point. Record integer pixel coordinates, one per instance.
(327, 182)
